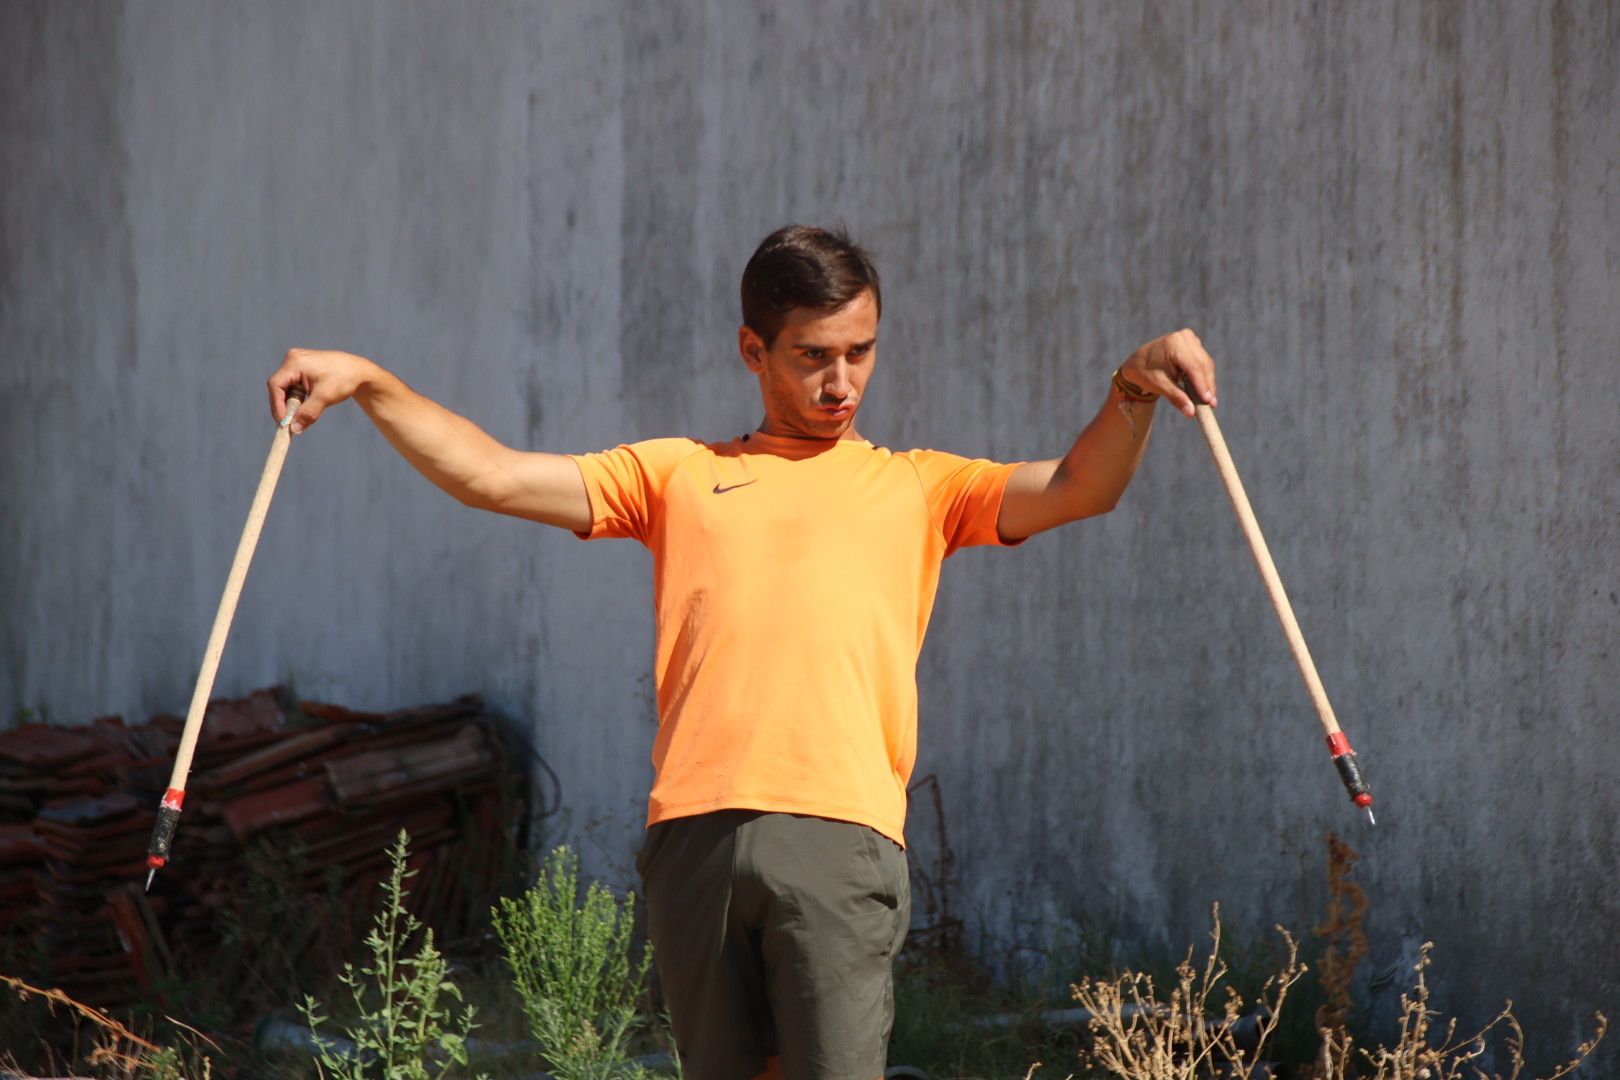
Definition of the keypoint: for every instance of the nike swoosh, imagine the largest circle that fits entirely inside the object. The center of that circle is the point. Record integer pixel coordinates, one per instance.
(718, 490)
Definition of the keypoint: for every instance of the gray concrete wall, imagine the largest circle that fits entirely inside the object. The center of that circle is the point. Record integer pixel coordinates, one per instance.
(1397, 227)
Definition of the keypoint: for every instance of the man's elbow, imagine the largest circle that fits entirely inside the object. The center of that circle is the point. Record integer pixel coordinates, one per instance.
(1092, 500)
(1081, 495)
(1021, 526)
(1094, 507)
(480, 494)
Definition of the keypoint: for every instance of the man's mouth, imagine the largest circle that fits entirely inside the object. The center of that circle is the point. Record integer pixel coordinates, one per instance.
(839, 411)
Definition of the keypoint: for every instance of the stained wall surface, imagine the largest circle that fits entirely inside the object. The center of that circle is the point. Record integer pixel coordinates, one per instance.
(1396, 226)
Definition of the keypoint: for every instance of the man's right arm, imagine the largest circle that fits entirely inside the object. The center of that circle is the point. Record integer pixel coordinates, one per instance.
(448, 449)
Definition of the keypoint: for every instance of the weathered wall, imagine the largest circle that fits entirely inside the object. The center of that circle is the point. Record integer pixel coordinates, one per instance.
(1396, 226)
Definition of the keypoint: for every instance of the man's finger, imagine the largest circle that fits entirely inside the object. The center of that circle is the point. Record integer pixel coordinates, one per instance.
(279, 384)
(306, 414)
(1197, 376)
(1202, 380)
(276, 394)
(1178, 397)
(1199, 388)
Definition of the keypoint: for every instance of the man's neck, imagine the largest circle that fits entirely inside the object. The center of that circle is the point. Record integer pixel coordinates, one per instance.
(849, 434)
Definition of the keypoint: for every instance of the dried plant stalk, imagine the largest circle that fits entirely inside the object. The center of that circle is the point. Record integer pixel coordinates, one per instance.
(89, 1012)
(1347, 943)
(1139, 1036)
(1425, 1052)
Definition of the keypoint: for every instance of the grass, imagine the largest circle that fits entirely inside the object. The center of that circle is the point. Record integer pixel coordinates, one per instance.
(953, 1019)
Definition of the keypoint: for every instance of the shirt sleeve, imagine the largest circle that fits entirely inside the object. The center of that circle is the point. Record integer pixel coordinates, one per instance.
(626, 486)
(964, 497)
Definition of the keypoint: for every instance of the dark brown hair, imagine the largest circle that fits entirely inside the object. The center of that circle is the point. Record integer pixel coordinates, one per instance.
(803, 266)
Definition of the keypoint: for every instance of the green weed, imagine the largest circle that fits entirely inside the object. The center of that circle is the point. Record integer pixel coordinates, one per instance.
(24, 715)
(411, 1021)
(570, 959)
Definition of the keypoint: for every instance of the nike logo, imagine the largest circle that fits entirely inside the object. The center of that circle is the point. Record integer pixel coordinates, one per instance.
(719, 490)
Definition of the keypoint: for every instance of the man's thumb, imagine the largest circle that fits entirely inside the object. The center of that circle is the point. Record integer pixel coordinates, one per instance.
(301, 412)
(303, 416)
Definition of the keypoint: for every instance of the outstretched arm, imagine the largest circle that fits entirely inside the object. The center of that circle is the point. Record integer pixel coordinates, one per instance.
(1091, 477)
(448, 449)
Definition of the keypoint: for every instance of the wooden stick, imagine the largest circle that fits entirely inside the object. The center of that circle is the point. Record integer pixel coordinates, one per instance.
(1268, 569)
(1344, 758)
(227, 603)
(169, 810)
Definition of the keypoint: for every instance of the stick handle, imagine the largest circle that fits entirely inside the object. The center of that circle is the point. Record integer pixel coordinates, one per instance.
(1268, 569)
(233, 593)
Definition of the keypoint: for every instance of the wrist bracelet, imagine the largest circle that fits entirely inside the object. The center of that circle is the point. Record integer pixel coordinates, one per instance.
(1130, 391)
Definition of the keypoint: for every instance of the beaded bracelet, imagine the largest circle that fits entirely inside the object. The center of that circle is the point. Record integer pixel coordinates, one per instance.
(1130, 391)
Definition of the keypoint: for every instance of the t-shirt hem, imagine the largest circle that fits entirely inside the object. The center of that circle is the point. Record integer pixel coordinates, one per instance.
(656, 814)
(593, 495)
(1008, 468)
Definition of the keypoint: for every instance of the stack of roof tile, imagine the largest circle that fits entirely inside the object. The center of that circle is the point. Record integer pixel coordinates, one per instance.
(320, 794)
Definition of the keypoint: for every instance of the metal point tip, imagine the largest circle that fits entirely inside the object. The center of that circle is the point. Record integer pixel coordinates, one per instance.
(150, 874)
(1370, 816)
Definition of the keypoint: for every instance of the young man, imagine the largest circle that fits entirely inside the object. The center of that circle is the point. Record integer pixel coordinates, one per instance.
(794, 573)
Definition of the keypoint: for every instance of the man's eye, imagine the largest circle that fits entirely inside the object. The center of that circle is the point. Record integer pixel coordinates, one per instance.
(860, 350)
(812, 354)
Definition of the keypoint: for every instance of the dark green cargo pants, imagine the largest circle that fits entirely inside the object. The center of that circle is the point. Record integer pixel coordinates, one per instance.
(775, 935)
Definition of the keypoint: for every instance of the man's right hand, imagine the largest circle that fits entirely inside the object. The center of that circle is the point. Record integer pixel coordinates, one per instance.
(327, 377)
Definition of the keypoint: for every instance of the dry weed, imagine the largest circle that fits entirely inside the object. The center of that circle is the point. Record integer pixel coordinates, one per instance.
(1418, 1055)
(53, 998)
(1347, 943)
(1138, 1036)
(118, 1051)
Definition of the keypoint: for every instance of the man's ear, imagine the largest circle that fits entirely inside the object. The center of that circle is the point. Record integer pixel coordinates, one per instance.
(751, 347)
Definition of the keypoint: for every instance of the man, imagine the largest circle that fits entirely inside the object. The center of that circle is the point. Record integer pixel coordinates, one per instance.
(794, 572)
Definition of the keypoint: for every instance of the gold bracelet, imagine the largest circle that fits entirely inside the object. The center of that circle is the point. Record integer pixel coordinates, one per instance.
(1130, 391)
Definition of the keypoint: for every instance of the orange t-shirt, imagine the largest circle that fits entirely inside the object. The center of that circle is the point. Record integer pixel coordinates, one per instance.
(793, 580)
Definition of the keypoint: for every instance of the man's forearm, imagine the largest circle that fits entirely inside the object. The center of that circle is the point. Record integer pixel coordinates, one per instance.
(1086, 481)
(1091, 477)
(450, 450)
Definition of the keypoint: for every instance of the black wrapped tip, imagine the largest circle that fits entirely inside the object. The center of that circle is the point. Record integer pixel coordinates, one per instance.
(1350, 773)
(168, 820)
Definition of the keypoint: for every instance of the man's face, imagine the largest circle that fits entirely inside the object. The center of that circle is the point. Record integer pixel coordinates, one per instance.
(813, 377)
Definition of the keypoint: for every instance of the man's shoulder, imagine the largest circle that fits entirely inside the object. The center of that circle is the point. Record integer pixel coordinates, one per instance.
(669, 444)
(689, 443)
(944, 468)
(668, 449)
(923, 457)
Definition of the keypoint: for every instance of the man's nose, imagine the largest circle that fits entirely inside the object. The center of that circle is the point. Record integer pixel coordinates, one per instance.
(838, 384)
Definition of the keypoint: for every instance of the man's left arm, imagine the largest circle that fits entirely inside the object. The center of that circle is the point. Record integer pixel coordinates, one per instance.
(1092, 476)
